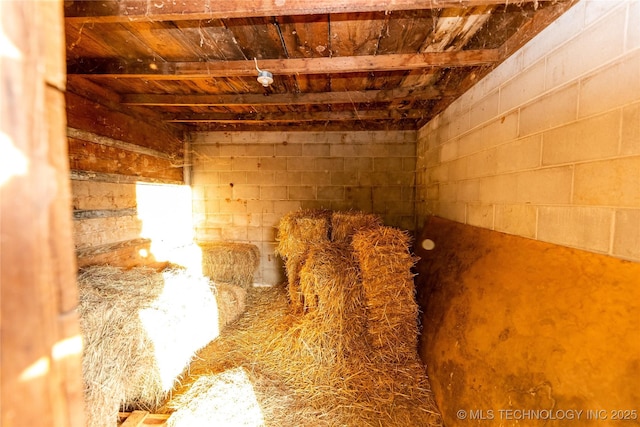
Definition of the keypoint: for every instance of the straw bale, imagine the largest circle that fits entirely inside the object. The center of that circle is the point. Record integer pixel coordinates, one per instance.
(140, 328)
(385, 264)
(298, 229)
(231, 300)
(296, 232)
(230, 262)
(345, 224)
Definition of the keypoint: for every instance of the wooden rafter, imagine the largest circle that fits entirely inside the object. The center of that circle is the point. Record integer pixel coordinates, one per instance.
(110, 11)
(350, 97)
(342, 64)
(351, 115)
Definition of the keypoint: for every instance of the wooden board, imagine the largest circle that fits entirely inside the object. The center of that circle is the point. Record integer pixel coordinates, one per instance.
(514, 323)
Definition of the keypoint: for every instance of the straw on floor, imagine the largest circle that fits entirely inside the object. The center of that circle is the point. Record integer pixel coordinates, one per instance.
(140, 329)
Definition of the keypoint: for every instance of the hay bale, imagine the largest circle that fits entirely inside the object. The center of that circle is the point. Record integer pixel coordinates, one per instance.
(296, 232)
(140, 328)
(230, 262)
(385, 264)
(231, 300)
(345, 224)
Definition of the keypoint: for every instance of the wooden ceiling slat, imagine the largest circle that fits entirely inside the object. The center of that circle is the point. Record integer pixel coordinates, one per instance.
(169, 10)
(283, 99)
(348, 64)
(295, 117)
(306, 36)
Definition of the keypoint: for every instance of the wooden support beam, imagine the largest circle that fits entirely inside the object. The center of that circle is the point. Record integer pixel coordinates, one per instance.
(109, 11)
(153, 70)
(347, 97)
(322, 116)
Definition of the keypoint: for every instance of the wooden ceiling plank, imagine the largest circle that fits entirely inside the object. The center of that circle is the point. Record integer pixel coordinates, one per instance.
(281, 99)
(151, 70)
(295, 117)
(169, 10)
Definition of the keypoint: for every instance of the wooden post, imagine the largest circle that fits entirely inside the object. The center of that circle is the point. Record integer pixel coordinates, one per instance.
(40, 344)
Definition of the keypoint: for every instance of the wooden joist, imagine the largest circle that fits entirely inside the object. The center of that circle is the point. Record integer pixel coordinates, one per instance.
(157, 70)
(349, 115)
(159, 10)
(345, 97)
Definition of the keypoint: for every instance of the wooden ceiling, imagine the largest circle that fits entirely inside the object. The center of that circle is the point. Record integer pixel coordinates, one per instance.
(337, 64)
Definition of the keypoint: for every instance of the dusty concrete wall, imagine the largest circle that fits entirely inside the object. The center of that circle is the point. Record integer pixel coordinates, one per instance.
(548, 145)
(244, 182)
(513, 327)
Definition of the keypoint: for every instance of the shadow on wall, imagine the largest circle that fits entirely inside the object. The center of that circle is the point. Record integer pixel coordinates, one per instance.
(514, 327)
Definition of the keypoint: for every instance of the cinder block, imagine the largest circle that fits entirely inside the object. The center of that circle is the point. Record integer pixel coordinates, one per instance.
(387, 194)
(611, 87)
(273, 163)
(245, 163)
(480, 215)
(630, 143)
(519, 155)
(593, 138)
(212, 164)
(247, 220)
(316, 150)
(449, 151)
(483, 163)
(235, 234)
(468, 191)
(233, 206)
(331, 193)
(288, 178)
(454, 211)
(485, 109)
(235, 178)
(344, 178)
(439, 173)
(364, 164)
(614, 182)
(516, 219)
(288, 150)
(498, 189)
(471, 142)
(457, 169)
(233, 150)
(626, 239)
(382, 164)
(449, 191)
(527, 85)
(603, 42)
(329, 164)
(246, 192)
(301, 164)
(262, 207)
(199, 177)
(544, 186)
(260, 150)
(276, 192)
(261, 178)
(500, 130)
(580, 227)
(345, 150)
(302, 193)
(554, 109)
(316, 178)
(218, 192)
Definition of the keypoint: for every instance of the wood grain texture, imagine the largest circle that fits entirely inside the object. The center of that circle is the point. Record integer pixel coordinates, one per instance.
(39, 383)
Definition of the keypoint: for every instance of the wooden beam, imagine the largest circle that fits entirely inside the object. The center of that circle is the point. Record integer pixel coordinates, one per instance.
(153, 70)
(348, 97)
(109, 11)
(296, 117)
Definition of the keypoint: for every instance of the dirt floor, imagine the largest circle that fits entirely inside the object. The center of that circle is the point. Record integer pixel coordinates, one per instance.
(244, 377)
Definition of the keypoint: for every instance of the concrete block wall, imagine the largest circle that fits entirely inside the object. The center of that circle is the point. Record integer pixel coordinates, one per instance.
(547, 146)
(244, 182)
